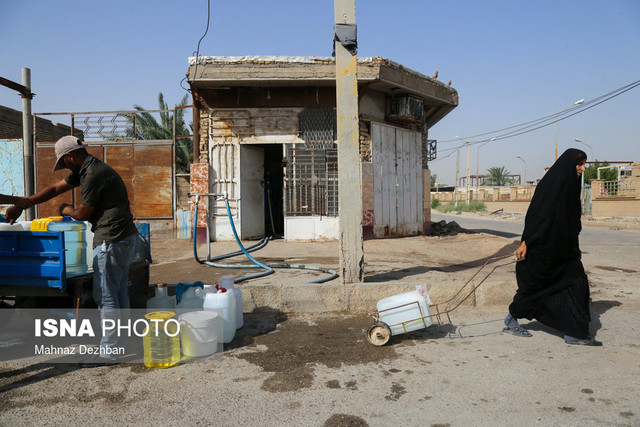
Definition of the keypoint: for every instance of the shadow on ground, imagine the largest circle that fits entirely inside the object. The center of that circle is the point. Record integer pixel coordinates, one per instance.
(598, 308)
(453, 268)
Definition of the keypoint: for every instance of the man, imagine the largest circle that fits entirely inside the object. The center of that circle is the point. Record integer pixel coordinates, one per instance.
(105, 205)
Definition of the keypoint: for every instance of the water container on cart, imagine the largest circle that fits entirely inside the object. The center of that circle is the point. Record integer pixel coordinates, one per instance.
(89, 240)
(41, 224)
(5, 226)
(75, 243)
(404, 312)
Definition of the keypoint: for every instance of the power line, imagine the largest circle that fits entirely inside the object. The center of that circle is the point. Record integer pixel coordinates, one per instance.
(559, 116)
(534, 125)
(197, 52)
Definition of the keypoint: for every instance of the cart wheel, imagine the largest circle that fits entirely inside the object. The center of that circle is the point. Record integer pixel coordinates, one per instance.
(379, 334)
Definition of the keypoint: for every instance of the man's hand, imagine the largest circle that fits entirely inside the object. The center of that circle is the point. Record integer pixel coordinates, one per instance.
(61, 209)
(81, 213)
(521, 251)
(13, 213)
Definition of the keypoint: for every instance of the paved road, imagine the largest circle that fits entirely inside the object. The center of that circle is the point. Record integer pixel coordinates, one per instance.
(609, 246)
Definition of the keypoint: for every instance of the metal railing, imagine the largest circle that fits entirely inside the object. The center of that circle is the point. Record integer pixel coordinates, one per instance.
(621, 188)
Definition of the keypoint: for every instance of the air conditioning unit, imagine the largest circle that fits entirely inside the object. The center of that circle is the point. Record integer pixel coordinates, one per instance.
(406, 109)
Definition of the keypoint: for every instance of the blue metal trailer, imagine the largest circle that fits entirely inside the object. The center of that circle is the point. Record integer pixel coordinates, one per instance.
(32, 267)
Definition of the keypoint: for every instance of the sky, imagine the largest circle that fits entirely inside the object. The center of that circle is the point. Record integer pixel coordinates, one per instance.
(511, 62)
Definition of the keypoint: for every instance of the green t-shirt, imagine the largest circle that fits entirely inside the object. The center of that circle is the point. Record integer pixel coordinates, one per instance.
(104, 190)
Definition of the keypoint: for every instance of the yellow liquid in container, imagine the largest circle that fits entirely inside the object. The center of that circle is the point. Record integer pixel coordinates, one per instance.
(40, 224)
(161, 340)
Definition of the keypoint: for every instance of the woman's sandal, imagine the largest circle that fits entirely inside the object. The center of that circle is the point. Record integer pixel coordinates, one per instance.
(576, 341)
(519, 332)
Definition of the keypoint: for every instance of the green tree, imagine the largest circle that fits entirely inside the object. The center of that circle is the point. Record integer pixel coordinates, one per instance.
(434, 179)
(605, 174)
(497, 175)
(147, 127)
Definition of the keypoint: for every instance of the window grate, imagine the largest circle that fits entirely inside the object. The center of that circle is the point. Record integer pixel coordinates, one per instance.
(311, 181)
(318, 128)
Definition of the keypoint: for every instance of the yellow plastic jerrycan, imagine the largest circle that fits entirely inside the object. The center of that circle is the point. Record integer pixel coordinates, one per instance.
(41, 224)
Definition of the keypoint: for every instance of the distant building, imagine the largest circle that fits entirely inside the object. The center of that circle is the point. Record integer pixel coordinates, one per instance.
(267, 131)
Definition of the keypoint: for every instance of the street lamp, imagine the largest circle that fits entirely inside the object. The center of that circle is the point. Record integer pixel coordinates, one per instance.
(478, 166)
(580, 101)
(525, 169)
(593, 159)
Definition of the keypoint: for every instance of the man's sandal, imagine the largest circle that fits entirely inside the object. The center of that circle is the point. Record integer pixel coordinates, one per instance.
(519, 332)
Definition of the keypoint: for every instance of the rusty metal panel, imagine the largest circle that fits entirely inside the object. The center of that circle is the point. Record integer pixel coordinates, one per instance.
(121, 159)
(45, 160)
(145, 170)
(152, 185)
(200, 185)
(145, 165)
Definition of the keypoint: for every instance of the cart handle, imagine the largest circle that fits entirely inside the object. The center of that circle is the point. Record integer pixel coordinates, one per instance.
(447, 310)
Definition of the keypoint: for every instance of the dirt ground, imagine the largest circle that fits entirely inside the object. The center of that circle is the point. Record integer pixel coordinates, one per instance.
(385, 259)
(318, 369)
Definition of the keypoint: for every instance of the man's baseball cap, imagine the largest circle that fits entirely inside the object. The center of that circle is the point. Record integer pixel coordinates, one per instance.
(65, 145)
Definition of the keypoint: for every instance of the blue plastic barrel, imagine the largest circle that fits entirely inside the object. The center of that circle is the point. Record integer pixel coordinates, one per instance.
(75, 243)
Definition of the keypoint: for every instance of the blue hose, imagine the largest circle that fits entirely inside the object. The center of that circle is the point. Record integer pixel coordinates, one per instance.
(256, 264)
(208, 262)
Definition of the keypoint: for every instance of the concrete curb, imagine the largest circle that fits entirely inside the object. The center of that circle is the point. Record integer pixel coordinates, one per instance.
(362, 297)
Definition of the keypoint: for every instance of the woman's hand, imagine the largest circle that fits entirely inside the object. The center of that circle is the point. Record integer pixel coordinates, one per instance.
(521, 251)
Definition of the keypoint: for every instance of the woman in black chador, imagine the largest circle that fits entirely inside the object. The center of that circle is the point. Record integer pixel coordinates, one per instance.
(552, 284)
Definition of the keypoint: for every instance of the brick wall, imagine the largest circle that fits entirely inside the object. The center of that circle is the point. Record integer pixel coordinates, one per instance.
(11, 127)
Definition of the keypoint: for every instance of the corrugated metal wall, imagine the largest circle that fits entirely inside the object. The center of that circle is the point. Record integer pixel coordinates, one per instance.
(146, 169)
(117, 138)
(397, 181)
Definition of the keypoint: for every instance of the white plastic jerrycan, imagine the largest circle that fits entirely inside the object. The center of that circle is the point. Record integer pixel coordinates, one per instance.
(191, 300)
(224, 303)
(227, 283)
(161, 300)
(406, 312)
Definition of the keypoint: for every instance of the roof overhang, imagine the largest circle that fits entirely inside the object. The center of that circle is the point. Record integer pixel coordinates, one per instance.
(220, 72)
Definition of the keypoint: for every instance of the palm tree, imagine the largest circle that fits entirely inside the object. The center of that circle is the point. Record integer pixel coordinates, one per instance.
(497, 175)
(147, 127)
(434, 180)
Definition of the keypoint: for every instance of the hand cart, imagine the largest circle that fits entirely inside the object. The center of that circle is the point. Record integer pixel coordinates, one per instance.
(379, 333)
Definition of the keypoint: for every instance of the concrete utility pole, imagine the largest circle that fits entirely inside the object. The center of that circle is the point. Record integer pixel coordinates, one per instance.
(349, 174)
(468, 170)
(455, 187)
(27, 141)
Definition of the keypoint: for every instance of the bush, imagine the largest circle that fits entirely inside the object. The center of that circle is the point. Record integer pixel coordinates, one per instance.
(473, 206)
(435, 203)
(476, 206)
(448, 207)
